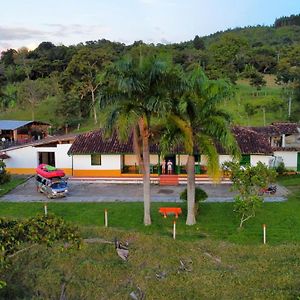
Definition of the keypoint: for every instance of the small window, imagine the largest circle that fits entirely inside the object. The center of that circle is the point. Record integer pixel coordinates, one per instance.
(95, 159)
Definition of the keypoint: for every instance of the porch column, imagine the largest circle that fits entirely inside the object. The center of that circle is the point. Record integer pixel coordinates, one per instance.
(178, 165)
(283, 140)
(15, 135)
(158, 167)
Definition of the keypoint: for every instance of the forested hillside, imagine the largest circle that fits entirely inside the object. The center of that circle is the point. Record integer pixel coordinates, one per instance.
(61, 84)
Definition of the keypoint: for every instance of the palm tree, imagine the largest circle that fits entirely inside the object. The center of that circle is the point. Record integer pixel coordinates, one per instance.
(197, 121)
(138, 89)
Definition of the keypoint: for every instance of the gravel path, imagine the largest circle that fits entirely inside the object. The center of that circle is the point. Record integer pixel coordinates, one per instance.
(108, 192)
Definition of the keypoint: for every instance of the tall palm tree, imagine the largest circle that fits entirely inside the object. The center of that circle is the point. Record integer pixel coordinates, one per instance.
(138, 89)
(197, 121)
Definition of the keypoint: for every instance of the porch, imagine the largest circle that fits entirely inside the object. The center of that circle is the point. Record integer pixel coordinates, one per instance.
(178, 167)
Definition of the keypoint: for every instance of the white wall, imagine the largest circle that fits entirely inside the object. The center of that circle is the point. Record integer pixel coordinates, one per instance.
(224, 158)
(62, 159)
(289, 158)
(183, 159)
(153, 159)
(25, 157)
(130, 159)
(255, 158)
(108, 162)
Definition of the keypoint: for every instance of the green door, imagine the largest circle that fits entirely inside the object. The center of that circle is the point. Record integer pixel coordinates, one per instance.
(298, 162)
(245, 160)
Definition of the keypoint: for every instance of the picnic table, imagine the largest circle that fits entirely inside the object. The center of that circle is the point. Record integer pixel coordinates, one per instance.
(170, 211)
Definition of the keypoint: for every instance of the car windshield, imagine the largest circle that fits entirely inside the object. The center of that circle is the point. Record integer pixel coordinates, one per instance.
(59, 185)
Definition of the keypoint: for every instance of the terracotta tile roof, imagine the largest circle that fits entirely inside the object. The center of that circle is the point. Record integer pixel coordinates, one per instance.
(270, 130)
(293, 149)
(3, 155)
(95, 142)
(249, 141)
(287, 128)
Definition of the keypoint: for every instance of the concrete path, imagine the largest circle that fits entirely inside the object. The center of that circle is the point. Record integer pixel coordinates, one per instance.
(108, 192)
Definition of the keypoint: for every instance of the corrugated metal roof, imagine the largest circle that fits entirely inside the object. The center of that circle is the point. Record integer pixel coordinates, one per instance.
(12, 124)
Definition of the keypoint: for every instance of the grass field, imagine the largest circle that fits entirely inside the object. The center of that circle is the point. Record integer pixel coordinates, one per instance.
(211, 260)
(244, 94)
(216, 220)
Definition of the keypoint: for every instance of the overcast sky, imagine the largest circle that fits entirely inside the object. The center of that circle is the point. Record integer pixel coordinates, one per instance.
(30, 22)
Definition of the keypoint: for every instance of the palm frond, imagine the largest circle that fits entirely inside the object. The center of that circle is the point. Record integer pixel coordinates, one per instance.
(209, 149)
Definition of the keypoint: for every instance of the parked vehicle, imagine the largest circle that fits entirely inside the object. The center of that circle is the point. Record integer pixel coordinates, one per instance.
(51, 181)
(270, 190)
(48, 171)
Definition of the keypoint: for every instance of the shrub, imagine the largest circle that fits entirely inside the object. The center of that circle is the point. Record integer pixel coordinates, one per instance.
(4, 176)
(280, 169)
(40, 229)
(200, 195)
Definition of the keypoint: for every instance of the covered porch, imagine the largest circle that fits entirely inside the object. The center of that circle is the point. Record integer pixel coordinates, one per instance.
(130, 164)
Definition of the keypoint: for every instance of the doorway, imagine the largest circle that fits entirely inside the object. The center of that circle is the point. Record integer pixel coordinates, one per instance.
(47, 158)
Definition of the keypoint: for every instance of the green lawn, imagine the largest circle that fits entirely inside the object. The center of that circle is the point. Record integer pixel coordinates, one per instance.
(215, 221)
(212, 260)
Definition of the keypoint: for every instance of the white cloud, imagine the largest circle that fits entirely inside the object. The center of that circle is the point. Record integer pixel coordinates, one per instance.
(19, 33)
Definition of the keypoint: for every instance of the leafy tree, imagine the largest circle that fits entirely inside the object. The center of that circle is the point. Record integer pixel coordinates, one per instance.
(32, 92)
(248, 181)
(138, 89)
(7, 57)
(198, 43)
(196, 121)
(257, 80)
(86, 70)
(227, 54)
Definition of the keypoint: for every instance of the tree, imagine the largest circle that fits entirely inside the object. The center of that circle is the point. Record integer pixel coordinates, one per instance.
(86, 70)
(138, 89)
(33, 92)
(198, 43)
(196, 121)
(257, 80)
(228, 56)
(248, 181)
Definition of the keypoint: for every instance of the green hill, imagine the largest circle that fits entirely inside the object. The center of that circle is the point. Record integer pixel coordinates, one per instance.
(56, 83)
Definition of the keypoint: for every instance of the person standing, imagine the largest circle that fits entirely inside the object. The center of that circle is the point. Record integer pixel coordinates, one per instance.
(170, 166)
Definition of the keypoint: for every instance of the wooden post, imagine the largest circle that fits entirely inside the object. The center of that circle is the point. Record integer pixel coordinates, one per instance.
(264, 234)
(174, 230)
(46, 210)
(105, 218)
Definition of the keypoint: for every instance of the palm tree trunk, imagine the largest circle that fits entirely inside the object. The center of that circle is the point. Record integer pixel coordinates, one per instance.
(146, 171)
(190, 220)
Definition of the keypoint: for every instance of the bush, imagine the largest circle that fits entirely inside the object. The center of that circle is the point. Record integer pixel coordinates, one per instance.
(280, 169)
(40, 229)
(200, 195)
(4, 176)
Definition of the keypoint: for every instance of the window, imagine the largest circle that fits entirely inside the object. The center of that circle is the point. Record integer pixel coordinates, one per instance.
(95, 159)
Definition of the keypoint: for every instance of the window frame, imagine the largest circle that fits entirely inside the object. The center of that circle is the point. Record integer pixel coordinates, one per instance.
(93, 157)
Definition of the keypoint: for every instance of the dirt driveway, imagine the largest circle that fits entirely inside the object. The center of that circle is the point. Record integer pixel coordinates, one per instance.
(81, 191)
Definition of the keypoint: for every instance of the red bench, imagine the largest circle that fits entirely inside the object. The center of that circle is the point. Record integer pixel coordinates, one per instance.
(170, 210)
